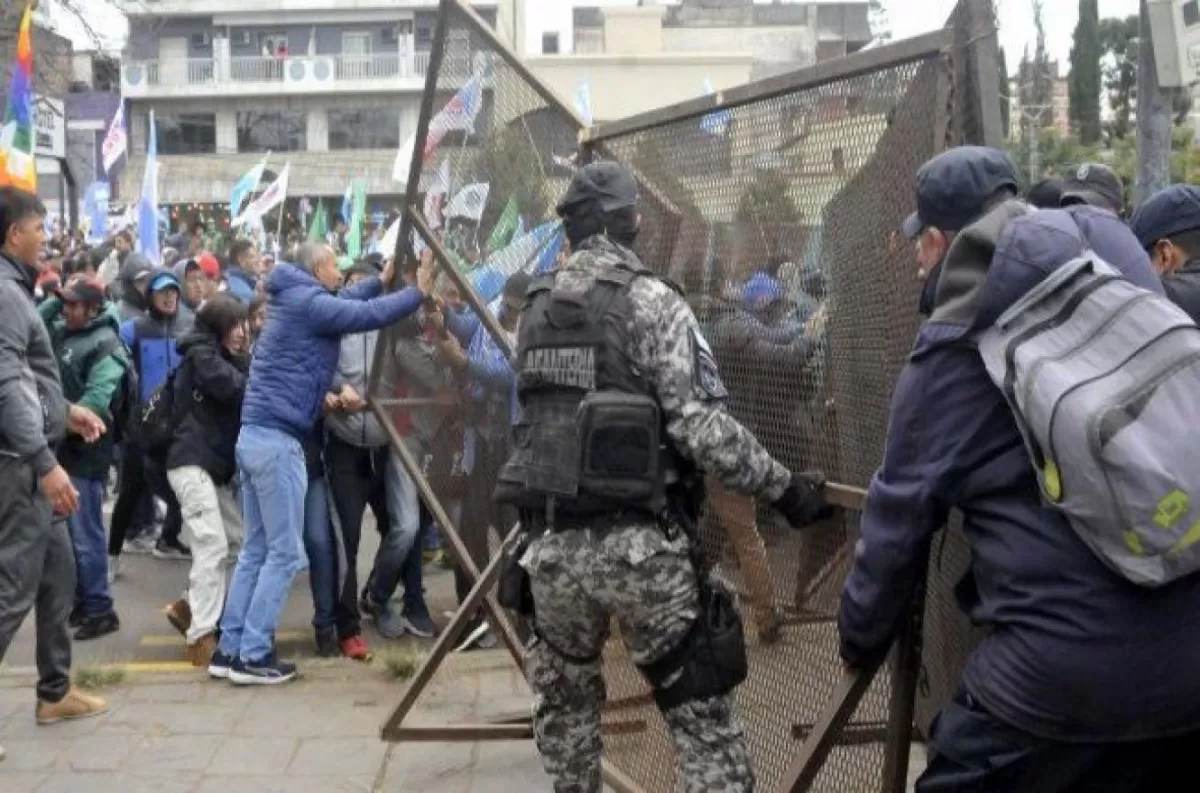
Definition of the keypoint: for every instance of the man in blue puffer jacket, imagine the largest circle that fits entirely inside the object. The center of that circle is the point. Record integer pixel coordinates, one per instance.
(1084, 680)
(291, 372)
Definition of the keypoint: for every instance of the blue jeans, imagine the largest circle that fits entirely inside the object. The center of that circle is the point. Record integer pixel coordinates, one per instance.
(404, 518)
(90, 544)
(274, 486)
(322, 554)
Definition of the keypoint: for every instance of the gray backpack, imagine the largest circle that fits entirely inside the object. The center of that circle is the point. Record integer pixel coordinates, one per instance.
(1103, 378)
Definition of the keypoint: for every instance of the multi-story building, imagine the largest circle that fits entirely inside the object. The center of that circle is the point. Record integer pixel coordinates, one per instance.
(332, 87)
(670, 51)
(1057, 116)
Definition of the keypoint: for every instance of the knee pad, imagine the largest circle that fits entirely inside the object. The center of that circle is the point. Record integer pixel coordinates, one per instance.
(710, 661)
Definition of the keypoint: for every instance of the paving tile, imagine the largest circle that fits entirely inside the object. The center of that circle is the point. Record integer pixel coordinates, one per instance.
(106, 782)
(274, 784)
(273, 714)
(98, 752)
(163, 693)
(27, 754)
(332, 756)
(430, 768)
(502, 767)
(173, 753)
(176, 719)
(20, 781)
(242, 755)
(23, 724)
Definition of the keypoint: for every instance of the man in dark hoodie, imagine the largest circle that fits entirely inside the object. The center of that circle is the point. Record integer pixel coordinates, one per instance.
(1168, 227)
(135, 276)
(1084, 681)
(241, 276)
(36, 563)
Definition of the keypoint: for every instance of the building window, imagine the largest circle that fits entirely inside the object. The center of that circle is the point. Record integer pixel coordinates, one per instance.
(185, 133)
(1191, 13)
(279, 131)
(365, 128)
(356, 44)
(549, 43)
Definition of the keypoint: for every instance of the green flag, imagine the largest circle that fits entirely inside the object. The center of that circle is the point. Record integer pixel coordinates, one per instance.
(317, 229)
(505, 226)
(357, 214)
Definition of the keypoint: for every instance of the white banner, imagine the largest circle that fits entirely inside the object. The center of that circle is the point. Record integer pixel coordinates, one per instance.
(116, 141)
(469, 202)
(270, 198)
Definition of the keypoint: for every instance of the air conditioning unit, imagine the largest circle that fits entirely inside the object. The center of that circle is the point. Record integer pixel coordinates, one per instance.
(391, 34)
(202, 39)
(1175, 30)
(309, 72)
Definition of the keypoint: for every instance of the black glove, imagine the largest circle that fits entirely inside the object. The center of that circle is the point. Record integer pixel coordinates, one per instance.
(803, 503)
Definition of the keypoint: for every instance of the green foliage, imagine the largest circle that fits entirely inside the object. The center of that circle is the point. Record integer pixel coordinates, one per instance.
(1005, 108)
(879, 20)
(509, 161)
(1119, 43)
(1085, 74)
(767, 202)
(1035, 83)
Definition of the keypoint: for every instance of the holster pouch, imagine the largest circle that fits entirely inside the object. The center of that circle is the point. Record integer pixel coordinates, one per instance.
(515, 592)
(710, 661)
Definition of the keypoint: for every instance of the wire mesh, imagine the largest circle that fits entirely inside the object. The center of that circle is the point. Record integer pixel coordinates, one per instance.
(778, 214)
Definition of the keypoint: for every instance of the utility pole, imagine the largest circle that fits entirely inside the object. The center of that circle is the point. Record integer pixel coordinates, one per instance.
(1154, 109)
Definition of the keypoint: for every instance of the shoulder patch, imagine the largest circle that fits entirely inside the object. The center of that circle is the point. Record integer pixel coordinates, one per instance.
(704, 367)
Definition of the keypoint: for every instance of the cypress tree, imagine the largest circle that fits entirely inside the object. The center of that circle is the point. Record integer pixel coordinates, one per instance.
(1085, 82)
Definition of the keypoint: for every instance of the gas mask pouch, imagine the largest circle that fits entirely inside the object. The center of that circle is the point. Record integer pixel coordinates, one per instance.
(620, 440)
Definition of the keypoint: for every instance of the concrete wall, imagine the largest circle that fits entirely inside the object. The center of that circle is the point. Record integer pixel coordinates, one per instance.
(660, 80)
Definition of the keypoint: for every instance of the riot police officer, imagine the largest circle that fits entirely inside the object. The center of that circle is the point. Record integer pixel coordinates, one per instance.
(621, 416)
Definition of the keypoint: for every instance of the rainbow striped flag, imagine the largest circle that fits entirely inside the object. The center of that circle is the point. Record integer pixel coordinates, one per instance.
(17, 166)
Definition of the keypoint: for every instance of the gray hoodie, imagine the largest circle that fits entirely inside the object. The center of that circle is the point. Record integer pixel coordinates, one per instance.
(355, 356)
(33, 412)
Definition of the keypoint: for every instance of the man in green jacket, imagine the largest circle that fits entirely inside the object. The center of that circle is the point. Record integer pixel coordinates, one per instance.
(92, 362)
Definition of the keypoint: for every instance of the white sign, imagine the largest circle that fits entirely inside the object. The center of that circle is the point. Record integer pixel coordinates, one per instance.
(50, 128)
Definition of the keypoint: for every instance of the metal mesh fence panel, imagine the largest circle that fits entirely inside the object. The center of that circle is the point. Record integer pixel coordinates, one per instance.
(777, 216)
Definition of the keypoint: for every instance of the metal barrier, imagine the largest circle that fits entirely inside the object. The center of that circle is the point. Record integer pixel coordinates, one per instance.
(776, 206)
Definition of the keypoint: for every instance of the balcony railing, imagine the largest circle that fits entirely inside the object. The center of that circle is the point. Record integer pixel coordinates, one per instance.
(268, 69)
(201, 71)
(138, 75)
(367, 67)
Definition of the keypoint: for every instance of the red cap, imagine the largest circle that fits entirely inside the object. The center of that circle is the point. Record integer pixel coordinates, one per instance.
(209, 266)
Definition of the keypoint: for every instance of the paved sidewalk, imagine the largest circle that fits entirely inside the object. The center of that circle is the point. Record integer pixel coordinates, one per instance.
(182, 733)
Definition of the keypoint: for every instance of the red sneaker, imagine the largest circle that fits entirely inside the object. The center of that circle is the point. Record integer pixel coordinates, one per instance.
(355, 648)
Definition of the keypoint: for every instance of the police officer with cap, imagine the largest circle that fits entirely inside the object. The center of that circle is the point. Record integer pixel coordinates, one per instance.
(954, 189)
(1095, 185)
(622, 414)
(1168, 227)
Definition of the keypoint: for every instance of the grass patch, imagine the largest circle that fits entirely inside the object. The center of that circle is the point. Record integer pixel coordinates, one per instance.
(401, 664)
(92, 678)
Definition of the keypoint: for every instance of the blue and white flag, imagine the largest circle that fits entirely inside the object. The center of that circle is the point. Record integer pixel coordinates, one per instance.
(716, 122)
(95, 206)
(348, 204)
(583, 100)
(147, 207)
(245, 186)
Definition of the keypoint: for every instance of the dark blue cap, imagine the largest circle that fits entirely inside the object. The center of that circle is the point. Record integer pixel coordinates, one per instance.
(1167, 213)
(954, 187)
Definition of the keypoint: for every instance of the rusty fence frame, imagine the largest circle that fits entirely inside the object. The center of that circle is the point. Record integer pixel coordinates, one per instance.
(818, 739)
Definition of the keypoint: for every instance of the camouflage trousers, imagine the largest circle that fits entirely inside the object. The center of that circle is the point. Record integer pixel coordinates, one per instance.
(581, 580)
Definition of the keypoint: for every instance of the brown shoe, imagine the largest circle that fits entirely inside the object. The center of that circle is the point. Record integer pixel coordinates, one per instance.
(75, 705)
(179, 614)
(201, 652)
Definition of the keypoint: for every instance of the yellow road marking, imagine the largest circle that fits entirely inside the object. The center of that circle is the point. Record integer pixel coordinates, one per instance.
(175, 640)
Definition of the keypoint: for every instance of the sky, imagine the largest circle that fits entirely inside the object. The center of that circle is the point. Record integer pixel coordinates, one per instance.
(908, 17)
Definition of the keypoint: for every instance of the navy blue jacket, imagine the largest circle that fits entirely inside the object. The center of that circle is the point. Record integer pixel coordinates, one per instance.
(297, 353)
(153, 340)
(1074, 652)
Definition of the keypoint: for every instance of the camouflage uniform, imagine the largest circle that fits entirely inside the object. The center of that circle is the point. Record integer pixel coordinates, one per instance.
(635, 569)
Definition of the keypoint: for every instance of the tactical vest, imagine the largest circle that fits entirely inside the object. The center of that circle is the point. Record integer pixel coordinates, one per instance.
(590, 437)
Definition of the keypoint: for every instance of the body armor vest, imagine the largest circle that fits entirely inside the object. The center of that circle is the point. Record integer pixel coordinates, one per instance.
(590, 436)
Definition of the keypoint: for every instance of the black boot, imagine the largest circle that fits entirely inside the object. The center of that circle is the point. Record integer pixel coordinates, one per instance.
(96, 625)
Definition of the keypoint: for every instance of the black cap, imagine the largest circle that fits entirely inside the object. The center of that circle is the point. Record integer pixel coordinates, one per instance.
(83, 289)
(609, 184)
(1166, 214)
(1095, 185)
(954, 187)
(1046, 194)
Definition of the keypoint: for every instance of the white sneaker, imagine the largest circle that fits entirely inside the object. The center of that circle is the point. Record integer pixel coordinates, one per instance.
(114, 568)
(473, 638)
(142, 546)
